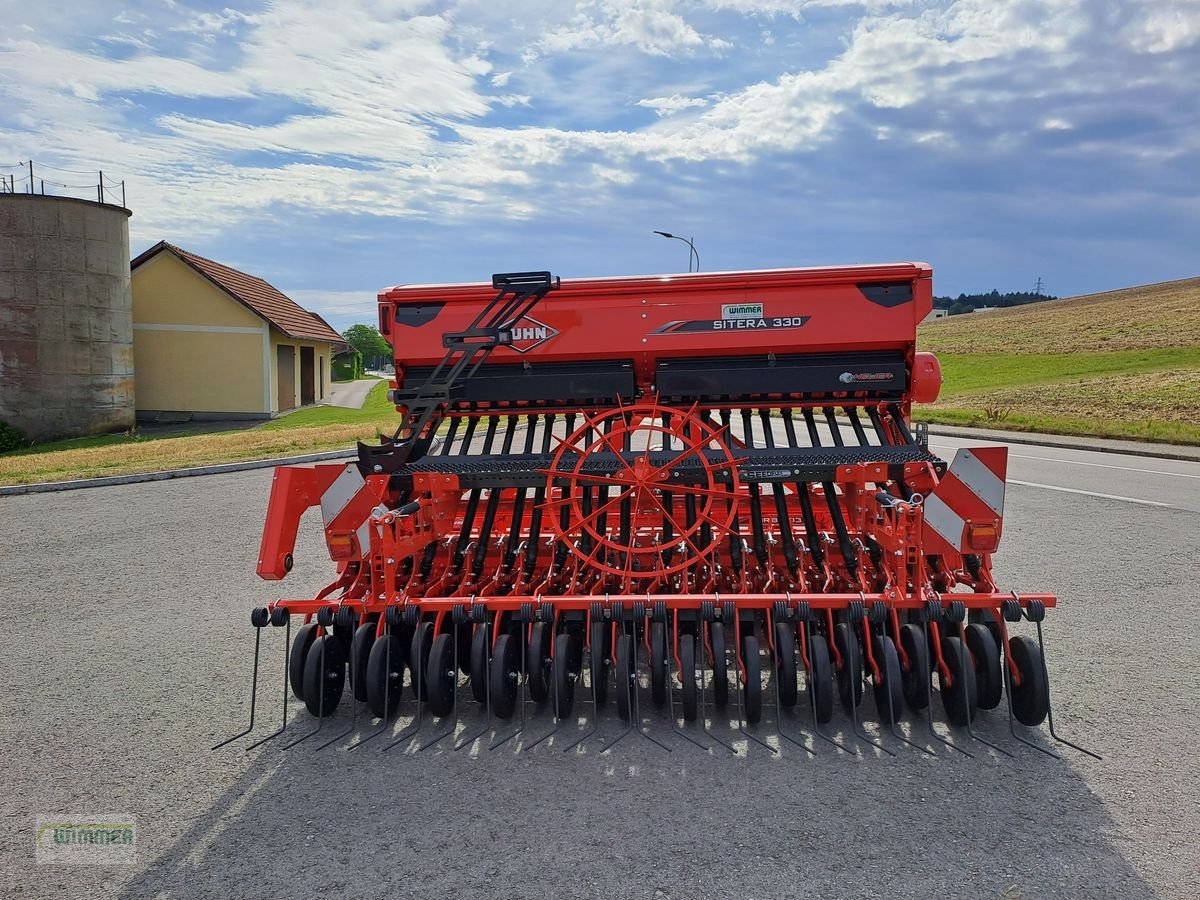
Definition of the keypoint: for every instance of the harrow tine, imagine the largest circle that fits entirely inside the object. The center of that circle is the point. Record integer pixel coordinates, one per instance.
(348, 731)
(487, 678)
(555, 718)
(287, 643)
(896, 734)
(741, 714)
(812, 699)
(499, 743)
(779, 719)
(671, 708)
(852, 649)
(387, 684)
(253, 694)
(703, 712)
(1049, 705)
(962, 666)
(320, 706)
(637, 706)
(929, 706)
(418, 720)
(1008, 696)
(595, 717)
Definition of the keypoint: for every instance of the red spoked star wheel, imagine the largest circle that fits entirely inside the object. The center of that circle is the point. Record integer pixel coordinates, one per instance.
(643, 491)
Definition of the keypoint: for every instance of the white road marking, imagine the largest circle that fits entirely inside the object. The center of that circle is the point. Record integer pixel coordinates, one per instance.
(1067, 490)
(1076, 462)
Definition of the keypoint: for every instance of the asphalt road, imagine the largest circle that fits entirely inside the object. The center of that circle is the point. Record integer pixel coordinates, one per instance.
(128, 655)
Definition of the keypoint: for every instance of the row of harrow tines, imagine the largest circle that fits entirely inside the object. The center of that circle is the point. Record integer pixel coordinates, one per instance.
(723, 577)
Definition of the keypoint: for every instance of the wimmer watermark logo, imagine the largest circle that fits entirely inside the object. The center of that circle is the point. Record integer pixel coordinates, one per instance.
(105, 840)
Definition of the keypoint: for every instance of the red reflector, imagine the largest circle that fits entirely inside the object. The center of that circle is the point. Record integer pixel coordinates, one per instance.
(341, 546)
(983, 538)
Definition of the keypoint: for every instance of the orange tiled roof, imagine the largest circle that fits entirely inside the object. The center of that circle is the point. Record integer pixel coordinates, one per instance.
(261, 298)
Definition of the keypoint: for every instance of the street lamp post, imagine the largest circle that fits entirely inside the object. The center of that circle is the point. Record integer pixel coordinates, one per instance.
(692, 251)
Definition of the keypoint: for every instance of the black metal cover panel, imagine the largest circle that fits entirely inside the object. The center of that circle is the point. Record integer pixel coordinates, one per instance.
(881, 374)
(810, 464)
(577, 383)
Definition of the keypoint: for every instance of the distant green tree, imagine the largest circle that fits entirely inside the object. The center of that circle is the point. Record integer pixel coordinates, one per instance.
(993, 298)
(957, 308)
(367, 340)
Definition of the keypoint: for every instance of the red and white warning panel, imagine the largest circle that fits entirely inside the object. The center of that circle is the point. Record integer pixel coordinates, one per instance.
(965, 512)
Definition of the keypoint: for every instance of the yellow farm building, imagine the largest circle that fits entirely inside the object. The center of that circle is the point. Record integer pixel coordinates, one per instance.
(216, 343)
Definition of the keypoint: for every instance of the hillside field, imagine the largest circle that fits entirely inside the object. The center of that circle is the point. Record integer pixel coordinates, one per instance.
(1118, 364)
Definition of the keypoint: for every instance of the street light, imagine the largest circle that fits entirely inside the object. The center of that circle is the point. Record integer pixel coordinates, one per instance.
(691, 247)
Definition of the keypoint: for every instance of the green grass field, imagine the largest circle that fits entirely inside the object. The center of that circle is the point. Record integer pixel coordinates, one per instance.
(306, 431)
(1119, 364)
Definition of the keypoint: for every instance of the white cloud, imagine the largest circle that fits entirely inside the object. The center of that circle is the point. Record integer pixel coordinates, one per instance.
(651, 26)
(666, 106)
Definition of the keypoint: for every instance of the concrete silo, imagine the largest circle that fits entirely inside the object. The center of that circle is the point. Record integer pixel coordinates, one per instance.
(66, 325)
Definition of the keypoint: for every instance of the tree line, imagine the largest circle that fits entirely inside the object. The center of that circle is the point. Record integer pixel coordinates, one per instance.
(965, 303)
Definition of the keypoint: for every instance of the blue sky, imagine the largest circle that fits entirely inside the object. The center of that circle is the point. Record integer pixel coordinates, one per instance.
(335, 147)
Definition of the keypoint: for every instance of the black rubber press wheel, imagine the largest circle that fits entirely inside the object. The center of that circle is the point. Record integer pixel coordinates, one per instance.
(305, 635)
(418, 657)
(563, 674)
(959, 698)
(506, 675)
(821, 677)
(360, 651)
(481, 649)
(785, 663)
(687, 675)
(441, 676)
(537, 662)
(658, 663)
(916, 677)
(385, 675)
(324, 675)
(599, 649)
(720, 665)
(850, 675)
(625, 676)
(753, 685)
(1031, 699)
(985, 655)
(889, 695)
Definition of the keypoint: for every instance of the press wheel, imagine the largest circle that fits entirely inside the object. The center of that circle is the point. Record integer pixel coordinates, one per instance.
(324, 675)
(915, 679)
(480, 656)
(385, 675)
(537, 662)
(599, 640)
(625, 676)
(305, 635)
(1030, 699)
(720, 665)
(985, 655)
(658, 663)
(785, 663)
(959, 697)
(441, 675)
(563, 674)
(687, 675)
(850, 675)
(505, 675)
(753, 679)
(888, 690)
(360, 649)
(418, 655)
(821, 677)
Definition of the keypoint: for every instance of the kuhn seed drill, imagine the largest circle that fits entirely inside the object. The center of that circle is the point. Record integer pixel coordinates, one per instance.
(696, 486)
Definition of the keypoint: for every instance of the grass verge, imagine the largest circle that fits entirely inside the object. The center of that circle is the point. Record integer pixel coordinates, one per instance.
(307, 431)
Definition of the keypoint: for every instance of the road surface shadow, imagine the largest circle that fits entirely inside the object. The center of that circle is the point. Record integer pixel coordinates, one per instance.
(639, 821)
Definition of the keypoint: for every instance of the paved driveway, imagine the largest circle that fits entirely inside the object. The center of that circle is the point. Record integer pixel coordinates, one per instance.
(128, 653)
